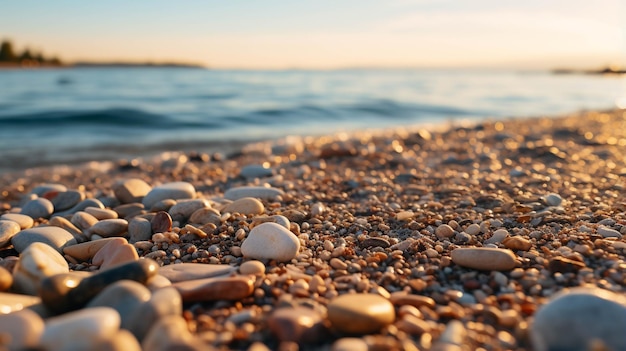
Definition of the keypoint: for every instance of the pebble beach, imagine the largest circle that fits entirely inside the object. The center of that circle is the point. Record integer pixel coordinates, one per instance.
(499, 235)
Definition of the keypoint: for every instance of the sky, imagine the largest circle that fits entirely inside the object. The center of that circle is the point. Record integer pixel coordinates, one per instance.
(325, 34)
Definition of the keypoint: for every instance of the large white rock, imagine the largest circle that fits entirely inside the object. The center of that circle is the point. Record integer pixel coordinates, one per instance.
(573, 319)
(8, 229)
(36, 263)
(174, 190)
(56, 237)
(271, 241)
(81, 330)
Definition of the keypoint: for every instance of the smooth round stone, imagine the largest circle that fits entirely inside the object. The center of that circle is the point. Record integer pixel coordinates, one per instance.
(472, 229)
(41, 189)
(163, 303)
(6, 279)
(158, 282)
(129, 210)
(83, 220)
(16, 302)
(131, 190)
(191, 271)
(109, 227)
(67, 199)
(444, 231)
(255, 171)
(123, 340)
(206, 215)
(64, 292)
(401, 298)
(36, 263)
(24, 221)
(270, 241)
(185, 208)
(101, 213)
(360, 313)
(115, 252)
(171, 333)
(482, 258)
(174, 190)
(139, 229)
(350, 344)
(253, 267)
(64, 223)
(38, 208)
(8, 229)
(81, 206)
(22, 329)
(572, 319)
(87, 250)
(608, 232)
(56, 237)
(80, 330)
(553, 199)
(497, 237)
(298, 324)
(124, 296)
(517, 243)
(246, 205)
(258, 192)
(218, 288)
(161, 223)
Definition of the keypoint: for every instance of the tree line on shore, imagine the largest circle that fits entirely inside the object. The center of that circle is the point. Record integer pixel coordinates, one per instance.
(8, 55)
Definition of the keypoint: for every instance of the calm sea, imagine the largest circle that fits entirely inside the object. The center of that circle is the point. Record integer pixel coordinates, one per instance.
(71, 115)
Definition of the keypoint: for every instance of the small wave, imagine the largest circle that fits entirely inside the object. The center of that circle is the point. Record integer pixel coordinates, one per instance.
(389, 108)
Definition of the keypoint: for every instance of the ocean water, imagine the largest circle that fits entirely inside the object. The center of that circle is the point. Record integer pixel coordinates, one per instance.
(72, 115)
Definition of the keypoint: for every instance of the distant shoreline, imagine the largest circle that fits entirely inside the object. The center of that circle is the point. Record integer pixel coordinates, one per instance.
(6, 65)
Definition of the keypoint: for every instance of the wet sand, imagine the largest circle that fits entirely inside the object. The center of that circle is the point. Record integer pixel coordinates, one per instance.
(381, 213)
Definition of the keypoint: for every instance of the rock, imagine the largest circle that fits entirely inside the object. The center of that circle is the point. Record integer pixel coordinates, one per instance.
(22, 329)
(278, 219)
(63, 292)
(185, 208)
(81, 206)
(109, 227)
(131, 190)
(360, 313)
(350, 344)
(452, 338)
(245, 205)
(217, 288)
(174, 190)
(61, 222)
(517, 243)
(375, 242)
(482, 258)
(609, 233)
(38, 208)
(553, 199)
(6, 279)
(298, 324)
(161, 223)
(67, 199)
(115, 252)
(255, 171)
(171, 333)
(8, 229)
(444, 231)
(123, 340)
(163, 303)
(129, 210)
(80, 330)
(270, 241)
(101, 213)
(56, 237)
(401, 298)
(24, 221)
(575, 318)
(258, 192)
(86, 251)
(191, 271)
(497, 237)
(158, 282)
(37, 262)
(139, 229)
(41, 189)
(16, 302)
(206, 215)
(83, 220)
(564, 265)
(472, 229)
(253, 267)
(126, 297)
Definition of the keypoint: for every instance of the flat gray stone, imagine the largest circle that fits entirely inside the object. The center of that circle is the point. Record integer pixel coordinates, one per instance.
(67, 199)
(56, 237)
(174, 190)
(24, 221)
(38, 208)
(163, 303)
(124, 296)
(258, 192)
(139, 229)
(81, 206)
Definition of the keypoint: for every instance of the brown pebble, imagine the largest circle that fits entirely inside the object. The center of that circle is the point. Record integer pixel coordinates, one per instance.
(402, 298)
(6, 279)
(484, 258)
(219, 288)
(162, 222)
(375, 241)
(564, 265)
(299, 324)
(516, 243)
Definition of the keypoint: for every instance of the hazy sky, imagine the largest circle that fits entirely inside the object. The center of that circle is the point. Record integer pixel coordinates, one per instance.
(324, 33)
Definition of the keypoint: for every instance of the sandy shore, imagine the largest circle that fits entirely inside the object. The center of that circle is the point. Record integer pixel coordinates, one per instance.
(382, 212)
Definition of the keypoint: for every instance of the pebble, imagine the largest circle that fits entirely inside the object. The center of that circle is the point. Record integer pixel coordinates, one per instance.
(22, 330)
(253, 267)
(517, 243)
(41, 189)
(255, 171)
(564, 265)
(38, 208)
(129, 210)
(191, 271)
(360, 313)
(298, 324)
(444, 231)
(37, 262)
(6, 279)
(553, 199)
(157, 282)
(115, 252)
(126, 297)
(86, 251)
(10, 302)
(572, 319)
(171, 333)
(472, 229)
(350, 344)
(83, 220)
(405, 215)
(139, 229)
(67, 199)
(81, 206)
(497, 237)
(101, 213)
(245, 205)
(24, 221)
(8, 229)
(64, 292)
(109, 227)
(131, 190)
(205, 216)
(185, 208)
(270, 241)
(80, 330)
(258, 192)
(163, 303)
(173, 190)
(401, 298)
(161, 222)
(609, 233)
(217, 288)
(487, 259)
